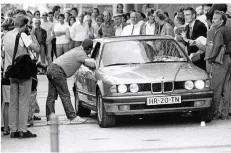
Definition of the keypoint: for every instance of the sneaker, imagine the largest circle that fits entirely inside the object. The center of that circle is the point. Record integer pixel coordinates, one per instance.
(77, 120)
(26, 134)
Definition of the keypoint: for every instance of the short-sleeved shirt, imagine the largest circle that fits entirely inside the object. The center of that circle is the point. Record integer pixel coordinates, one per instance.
(9, 42)
(79, 31)
(63, 39)
(71, 61)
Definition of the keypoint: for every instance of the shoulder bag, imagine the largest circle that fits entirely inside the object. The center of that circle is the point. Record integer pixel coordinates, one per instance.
(22, 67)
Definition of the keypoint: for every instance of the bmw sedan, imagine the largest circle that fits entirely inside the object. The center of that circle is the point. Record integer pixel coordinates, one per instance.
(134, 75)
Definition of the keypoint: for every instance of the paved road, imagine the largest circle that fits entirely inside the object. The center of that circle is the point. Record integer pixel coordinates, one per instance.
(133, 134)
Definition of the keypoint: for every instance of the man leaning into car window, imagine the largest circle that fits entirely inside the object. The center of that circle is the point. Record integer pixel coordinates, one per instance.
(58, 72)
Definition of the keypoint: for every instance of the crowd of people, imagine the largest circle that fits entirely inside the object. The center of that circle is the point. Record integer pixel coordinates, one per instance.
(52, 36)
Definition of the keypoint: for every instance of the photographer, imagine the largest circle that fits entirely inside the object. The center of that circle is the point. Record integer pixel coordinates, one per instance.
(20, 89)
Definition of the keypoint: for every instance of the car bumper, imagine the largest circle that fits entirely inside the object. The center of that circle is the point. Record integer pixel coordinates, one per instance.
(131, 105)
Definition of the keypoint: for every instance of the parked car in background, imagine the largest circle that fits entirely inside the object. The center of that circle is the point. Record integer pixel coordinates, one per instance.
(140, 75)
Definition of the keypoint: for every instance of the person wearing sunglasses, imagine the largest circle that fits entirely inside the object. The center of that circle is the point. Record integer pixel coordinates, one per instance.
(36, 16)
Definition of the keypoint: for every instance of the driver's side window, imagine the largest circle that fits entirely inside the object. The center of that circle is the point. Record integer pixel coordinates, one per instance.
(95, 51)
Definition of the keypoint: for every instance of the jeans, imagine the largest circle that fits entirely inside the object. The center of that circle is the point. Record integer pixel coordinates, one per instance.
(58, 86)
(20, 95)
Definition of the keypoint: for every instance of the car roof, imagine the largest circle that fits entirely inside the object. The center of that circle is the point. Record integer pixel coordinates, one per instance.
(135, 37)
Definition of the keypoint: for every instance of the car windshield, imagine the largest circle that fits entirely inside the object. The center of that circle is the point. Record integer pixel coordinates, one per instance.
(142, 51)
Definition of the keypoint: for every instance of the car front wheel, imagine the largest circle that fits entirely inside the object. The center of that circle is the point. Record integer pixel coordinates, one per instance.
(207, 115)
(104, 120)
(80, 110)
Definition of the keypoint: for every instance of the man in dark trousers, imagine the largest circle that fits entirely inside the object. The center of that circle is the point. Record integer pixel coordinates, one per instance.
(194, 29)
(59, 70)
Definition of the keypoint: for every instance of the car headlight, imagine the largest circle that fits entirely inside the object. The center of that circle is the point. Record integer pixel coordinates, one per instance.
(122, 88)
(113, 89)
(189, 85)
(199, 84)
(134, 88)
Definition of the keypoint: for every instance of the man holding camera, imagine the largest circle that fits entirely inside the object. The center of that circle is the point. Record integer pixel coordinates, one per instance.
(20, 89)
(58, 72)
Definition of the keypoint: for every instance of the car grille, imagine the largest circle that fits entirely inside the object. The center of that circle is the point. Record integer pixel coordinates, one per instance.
(162, 87)
(157, 87)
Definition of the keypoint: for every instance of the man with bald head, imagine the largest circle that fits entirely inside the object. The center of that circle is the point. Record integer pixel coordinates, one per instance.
(133, 28)
(59, 70)
(107, 28)
(79, 31)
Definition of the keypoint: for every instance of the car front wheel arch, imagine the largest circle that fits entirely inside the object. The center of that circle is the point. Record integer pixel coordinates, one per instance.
(104, 120)
(79, 109)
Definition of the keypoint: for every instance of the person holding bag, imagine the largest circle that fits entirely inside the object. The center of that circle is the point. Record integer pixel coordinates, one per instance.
(220, 58)
(17, 41)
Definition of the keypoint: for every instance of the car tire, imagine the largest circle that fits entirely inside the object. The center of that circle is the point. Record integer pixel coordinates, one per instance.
(207, 115)
(104, 120)
(79, 109)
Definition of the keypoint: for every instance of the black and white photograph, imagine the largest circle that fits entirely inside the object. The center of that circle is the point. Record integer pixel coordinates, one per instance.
(116, 76)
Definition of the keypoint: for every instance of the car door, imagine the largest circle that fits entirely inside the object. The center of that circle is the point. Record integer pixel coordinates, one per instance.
(90, 77)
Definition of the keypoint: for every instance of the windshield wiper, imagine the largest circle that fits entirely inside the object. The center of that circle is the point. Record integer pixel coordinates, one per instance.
(121, 64)
(156, 62)
(163, 61)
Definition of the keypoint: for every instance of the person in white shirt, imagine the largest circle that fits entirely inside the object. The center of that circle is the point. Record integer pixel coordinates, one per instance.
(20, 89)
(118, 24)
(150, 27)
(133, 28)
(71, 22)
(62, 34)
(48, 26)
(79, 31)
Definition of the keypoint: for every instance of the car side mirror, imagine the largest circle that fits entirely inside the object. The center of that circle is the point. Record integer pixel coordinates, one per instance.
(90, 63)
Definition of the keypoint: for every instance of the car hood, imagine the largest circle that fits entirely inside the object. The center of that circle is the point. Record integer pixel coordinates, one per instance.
(153, 72)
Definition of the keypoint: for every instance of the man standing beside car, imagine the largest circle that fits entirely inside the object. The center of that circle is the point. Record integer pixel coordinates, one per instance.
(194, 29)
(221, 71)
(58, 72)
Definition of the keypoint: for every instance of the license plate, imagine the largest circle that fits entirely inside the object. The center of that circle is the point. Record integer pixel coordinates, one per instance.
(163, 100)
